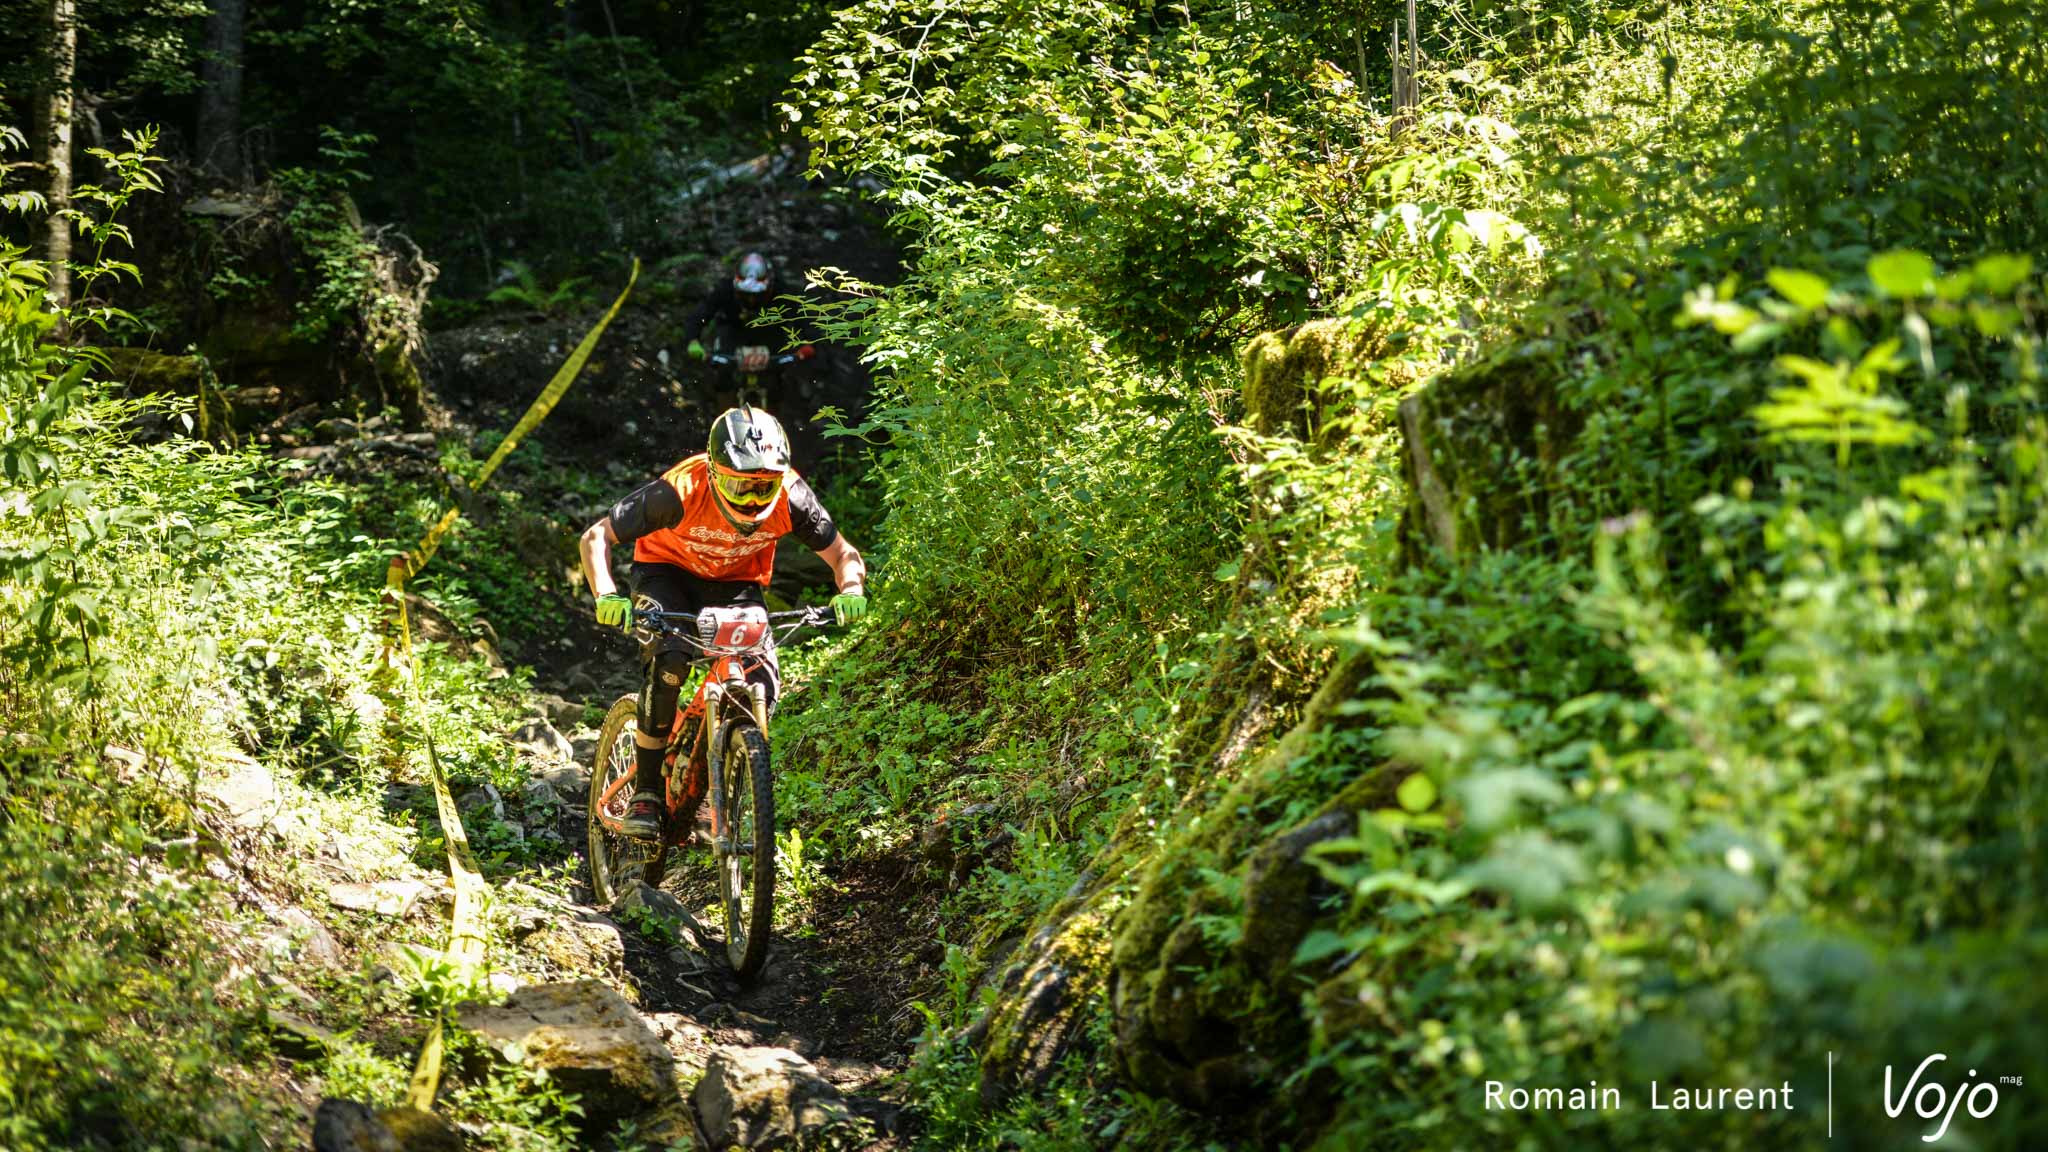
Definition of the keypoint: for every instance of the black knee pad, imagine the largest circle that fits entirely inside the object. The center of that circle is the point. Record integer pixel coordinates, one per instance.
(667, 672)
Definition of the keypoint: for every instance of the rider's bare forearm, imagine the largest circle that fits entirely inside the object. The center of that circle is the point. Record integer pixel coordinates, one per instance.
(595, 548)
(849, 571)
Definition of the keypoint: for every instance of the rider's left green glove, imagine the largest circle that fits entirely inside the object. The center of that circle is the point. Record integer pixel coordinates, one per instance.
(615, 611)
(696, 350)
(848, 608)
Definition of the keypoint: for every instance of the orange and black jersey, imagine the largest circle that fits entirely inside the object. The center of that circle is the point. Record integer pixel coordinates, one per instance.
(675, 521)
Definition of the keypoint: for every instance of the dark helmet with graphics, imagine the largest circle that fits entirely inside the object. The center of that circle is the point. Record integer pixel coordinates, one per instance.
(754, 280)
(749, 455)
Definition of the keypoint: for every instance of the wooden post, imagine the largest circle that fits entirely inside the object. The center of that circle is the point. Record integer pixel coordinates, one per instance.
(1414, 59)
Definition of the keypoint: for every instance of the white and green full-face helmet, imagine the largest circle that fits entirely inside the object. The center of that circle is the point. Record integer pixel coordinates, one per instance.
(749, 456)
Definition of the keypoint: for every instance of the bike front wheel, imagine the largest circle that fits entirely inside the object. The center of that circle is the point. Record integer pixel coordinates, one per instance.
(746, 846)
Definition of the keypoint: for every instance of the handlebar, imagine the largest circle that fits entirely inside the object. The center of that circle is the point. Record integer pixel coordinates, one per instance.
(815, 615)
(782, 626)
(727, 359)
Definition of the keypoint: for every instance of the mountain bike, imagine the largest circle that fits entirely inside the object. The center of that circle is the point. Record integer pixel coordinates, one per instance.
(717, 751)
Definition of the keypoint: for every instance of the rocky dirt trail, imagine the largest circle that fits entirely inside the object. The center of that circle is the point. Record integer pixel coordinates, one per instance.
(630, 1007)
(805, 1049)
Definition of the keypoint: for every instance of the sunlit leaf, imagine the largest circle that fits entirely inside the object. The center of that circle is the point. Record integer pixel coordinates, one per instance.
(1902, 274)
(1804, 289)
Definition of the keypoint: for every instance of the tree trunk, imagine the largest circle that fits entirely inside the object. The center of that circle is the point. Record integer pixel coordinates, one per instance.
(56, 135)
(219, 143)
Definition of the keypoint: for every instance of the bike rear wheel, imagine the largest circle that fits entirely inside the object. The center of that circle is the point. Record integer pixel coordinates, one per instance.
(746, 846)
(617, 862)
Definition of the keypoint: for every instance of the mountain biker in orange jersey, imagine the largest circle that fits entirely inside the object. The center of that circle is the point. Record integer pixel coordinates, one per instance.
(704, 535)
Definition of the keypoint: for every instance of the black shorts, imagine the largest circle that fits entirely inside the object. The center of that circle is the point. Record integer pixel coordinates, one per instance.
(670, 588)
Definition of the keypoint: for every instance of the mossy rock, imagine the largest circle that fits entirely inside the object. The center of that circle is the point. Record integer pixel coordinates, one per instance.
(1208, 1023)
(144, 370)
(1045, 998)
(1482, 449)
(1290, 376)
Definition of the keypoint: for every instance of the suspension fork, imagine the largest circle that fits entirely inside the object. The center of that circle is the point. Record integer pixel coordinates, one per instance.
(714, 757)
(718, 683)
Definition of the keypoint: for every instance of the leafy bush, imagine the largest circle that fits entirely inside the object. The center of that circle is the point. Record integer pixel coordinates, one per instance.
(167, 603)
(1657, 490)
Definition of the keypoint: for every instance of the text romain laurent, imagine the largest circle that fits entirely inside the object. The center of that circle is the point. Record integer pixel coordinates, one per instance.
(1663, 1098)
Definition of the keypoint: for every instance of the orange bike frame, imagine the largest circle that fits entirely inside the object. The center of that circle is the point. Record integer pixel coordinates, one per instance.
(724, 670)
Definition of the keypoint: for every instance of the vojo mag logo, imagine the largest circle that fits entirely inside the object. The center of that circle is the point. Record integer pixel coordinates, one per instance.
(1935, 1101)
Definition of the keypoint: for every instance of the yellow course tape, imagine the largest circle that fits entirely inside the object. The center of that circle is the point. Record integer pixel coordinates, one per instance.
(466, 939)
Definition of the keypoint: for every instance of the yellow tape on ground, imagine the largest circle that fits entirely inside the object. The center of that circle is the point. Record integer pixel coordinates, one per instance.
(466, 940)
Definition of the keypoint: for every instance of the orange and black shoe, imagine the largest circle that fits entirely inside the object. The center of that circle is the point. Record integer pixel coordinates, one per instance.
(643, 817)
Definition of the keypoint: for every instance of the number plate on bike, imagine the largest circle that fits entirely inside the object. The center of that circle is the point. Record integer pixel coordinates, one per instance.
(740, 629)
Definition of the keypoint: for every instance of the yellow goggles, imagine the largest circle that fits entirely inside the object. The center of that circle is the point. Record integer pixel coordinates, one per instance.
(748, 489)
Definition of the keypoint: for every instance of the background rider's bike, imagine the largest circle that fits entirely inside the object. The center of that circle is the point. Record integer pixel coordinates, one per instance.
(748, 385)
(717, 750)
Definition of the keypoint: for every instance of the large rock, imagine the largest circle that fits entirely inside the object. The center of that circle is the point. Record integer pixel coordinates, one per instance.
(539, 795)
(1177, 993)
(1039, 1014)
(385, 897)
(588, 1040)
(297, 1038)
(300, 938)
(580, 943)
(560, 712)
(351, 1126)
(1483, 448)
(764, 1098)
(482, 799)
(569, 781)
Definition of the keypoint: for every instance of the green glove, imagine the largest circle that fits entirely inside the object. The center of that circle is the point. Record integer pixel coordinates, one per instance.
(847, 608)
(696, 349)
(615, 611)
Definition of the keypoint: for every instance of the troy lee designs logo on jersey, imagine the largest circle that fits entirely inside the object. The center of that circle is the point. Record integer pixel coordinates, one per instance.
(724, 544)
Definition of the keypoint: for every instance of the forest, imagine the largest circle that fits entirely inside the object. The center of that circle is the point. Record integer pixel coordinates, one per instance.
(1425, 575)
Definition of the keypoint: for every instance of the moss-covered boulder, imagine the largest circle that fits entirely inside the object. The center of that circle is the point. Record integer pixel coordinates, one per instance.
(1482, 449)
(1045, 995)
(1299, 382)
(289, 304)
(1202, 981)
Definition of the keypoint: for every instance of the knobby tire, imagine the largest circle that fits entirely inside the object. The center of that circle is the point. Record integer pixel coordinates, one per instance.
(748, 792)
(616, 861)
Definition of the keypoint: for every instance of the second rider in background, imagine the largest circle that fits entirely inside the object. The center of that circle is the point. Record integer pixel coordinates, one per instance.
(704, 535)
(727, 317)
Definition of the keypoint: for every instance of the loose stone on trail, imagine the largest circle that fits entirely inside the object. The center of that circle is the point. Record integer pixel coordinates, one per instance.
(351, 1126)
(765, 1098)
(644, 902)
(543, 740)
(588, 1039)
(385, 897)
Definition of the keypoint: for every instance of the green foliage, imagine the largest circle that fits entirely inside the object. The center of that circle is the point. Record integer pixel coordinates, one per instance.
(106, 1026)
(167, 604)
(525, 291)
(322, 220)
(517, 1109)
(1690, 738)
